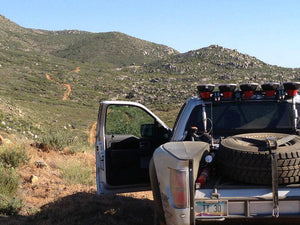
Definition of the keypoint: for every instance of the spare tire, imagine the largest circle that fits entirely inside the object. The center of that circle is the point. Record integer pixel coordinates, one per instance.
(246, 158)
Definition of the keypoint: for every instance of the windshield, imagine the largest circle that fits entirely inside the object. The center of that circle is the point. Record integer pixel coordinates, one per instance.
(243, 116)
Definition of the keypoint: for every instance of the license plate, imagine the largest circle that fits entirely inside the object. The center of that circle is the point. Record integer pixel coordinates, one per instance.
(211, 208)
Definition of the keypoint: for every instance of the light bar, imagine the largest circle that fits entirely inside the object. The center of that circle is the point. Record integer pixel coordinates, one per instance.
(248, 89)
(291, 88)
(205, 90)
(270, 88)
(227, 90)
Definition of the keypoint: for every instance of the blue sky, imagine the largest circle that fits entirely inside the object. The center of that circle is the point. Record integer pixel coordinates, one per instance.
(266, 29)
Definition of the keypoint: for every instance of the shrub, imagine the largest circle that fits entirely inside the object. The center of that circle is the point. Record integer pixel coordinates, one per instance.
(10, 158)
(13, 156)
(58, 138)
(9, 180)
(77, 172)
(9, 205)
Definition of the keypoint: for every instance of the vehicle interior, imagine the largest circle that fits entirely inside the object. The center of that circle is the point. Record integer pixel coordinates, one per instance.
(131, 136)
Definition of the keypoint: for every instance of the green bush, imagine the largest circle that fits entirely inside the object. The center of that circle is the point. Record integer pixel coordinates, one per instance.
(57, 139)
(13, 156)
(9, 205)
(9, 180)
(10, 158)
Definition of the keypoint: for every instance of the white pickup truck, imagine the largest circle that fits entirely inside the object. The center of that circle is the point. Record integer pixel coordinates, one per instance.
(234, 153)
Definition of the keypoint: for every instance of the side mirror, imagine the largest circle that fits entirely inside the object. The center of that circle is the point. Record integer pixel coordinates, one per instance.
(147, 130)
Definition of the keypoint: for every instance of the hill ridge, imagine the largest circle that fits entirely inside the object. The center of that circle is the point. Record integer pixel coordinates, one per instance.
(112, 65)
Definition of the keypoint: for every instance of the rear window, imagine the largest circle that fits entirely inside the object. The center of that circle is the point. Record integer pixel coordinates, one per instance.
(243, 116)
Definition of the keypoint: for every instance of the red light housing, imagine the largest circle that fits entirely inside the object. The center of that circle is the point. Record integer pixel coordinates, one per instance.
(227, 90)
(248, 89)
(270, 93)
(270, 88)
(291, 93)
(178, 181)
(205, 95)
(205, 90)
(291, 88)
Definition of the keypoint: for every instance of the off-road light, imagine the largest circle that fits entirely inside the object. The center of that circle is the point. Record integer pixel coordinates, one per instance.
(227, 90)
(248, 89)
(270, 88)
(291, 88)
(205, 90)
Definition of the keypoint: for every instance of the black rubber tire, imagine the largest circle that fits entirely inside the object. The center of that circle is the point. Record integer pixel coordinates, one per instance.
(245, 158)
(159, 217)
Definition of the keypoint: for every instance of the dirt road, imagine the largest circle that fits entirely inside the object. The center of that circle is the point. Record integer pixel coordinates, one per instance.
(68, 86)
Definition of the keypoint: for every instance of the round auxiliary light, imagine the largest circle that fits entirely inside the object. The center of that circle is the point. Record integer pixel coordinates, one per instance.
(291, 88)
(270, 88)
(227, 90)
(205, 90)
(248, 89)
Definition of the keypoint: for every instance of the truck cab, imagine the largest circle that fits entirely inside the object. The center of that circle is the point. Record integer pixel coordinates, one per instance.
(233, 153)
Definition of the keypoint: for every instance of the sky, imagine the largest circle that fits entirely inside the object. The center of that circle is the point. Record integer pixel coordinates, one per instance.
(266, 29)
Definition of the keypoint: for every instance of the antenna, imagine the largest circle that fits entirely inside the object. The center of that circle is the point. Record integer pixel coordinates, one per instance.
(204, 118)
(212, 125)
(281, 79)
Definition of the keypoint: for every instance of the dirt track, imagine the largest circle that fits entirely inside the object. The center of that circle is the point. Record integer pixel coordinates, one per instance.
(92, 134)
(67, 94)
(68, 86)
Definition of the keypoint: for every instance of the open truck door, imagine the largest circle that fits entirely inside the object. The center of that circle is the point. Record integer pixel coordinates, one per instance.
(127, 135)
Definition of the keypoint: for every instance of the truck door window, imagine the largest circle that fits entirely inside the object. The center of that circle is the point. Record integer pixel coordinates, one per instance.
(122, 119)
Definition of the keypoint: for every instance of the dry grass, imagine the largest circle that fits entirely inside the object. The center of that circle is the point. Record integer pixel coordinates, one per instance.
(51, 183)
(77, 171)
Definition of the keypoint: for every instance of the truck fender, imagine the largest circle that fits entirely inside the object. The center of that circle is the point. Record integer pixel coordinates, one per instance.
(188, 150)
(176, 155)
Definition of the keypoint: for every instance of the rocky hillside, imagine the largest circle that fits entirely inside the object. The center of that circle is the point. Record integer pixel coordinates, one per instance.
(38, 68)
(219, 64)
(56, 78)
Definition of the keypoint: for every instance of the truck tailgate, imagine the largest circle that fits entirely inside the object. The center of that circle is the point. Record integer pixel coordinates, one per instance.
(250, 202)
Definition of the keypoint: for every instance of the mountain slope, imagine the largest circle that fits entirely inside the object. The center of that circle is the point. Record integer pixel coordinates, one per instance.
(12, 35)
(112, 48)
(116, 48)
(89, 67)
